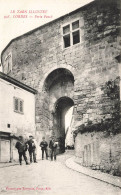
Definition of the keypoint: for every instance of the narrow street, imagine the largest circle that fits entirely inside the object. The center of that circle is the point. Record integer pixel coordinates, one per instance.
(51, 178)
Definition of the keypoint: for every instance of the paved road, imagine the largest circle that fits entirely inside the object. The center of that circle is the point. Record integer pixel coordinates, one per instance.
(51, 178)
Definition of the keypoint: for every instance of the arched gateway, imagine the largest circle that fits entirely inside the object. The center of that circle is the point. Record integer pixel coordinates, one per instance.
(58, 92)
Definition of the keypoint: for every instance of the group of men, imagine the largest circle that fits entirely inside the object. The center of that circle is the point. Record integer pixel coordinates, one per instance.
(30, 145)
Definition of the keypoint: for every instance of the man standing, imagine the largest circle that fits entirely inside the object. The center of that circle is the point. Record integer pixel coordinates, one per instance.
(32, 149)
(53, 147)
(22, 148)
(43, 146)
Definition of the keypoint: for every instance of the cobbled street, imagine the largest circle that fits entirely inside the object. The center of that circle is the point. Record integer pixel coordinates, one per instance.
(51, 178)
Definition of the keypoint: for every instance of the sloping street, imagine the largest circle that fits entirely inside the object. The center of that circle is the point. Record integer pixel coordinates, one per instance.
(51, 178)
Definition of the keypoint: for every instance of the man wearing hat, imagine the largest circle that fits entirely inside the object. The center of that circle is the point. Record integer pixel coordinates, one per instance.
(32, 149)
(53, 147)
(43, 145)
(22, 148)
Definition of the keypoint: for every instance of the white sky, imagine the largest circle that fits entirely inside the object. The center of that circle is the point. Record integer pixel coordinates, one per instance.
(68, 117)
(13, 27)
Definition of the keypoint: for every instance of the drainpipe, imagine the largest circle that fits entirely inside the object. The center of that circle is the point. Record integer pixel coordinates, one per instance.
(11, 148)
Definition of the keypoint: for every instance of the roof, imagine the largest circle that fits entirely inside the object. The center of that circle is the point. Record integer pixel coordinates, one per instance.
(17, 83)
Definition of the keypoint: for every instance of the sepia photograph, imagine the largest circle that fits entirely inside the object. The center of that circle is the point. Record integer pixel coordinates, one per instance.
(60, 97)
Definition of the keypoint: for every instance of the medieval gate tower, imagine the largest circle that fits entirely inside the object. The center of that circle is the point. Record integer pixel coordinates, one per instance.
(74, 60)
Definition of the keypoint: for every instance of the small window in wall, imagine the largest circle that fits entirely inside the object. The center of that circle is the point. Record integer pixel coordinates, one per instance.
(71, 34)
(18, 105)
(21, 106)
(66, 37)
(76, 37)
(66, 40)
(7, 65)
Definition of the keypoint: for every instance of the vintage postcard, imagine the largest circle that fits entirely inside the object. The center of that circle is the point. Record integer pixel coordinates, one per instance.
(60, 97)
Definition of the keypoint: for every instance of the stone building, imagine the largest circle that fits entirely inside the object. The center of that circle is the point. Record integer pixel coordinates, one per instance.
(17, 115)
(74, 61)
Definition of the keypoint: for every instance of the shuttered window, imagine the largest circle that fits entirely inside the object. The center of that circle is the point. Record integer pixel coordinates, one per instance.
(18, 105)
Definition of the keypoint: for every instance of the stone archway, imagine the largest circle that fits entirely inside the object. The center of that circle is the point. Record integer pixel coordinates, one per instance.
(58, 96)
(62, 105)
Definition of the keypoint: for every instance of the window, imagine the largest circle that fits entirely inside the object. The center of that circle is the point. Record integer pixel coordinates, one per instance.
(76, 37)
(21, 106)
(66, 41)
(71, 34)
(8, 63)
(18, 105)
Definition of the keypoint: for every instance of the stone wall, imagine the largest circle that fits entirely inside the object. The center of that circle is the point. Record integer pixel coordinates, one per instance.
(99, 151)
(92, 63)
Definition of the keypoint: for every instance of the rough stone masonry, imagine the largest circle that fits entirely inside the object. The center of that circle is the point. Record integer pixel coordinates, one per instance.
(75, 63)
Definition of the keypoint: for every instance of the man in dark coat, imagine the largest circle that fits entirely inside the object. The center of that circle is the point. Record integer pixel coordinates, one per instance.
(32, 149)
(22, 148)
(43, 146)
(53, 147)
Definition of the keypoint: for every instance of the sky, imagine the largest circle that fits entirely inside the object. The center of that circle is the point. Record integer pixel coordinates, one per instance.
(68, 117)
(11, 27)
